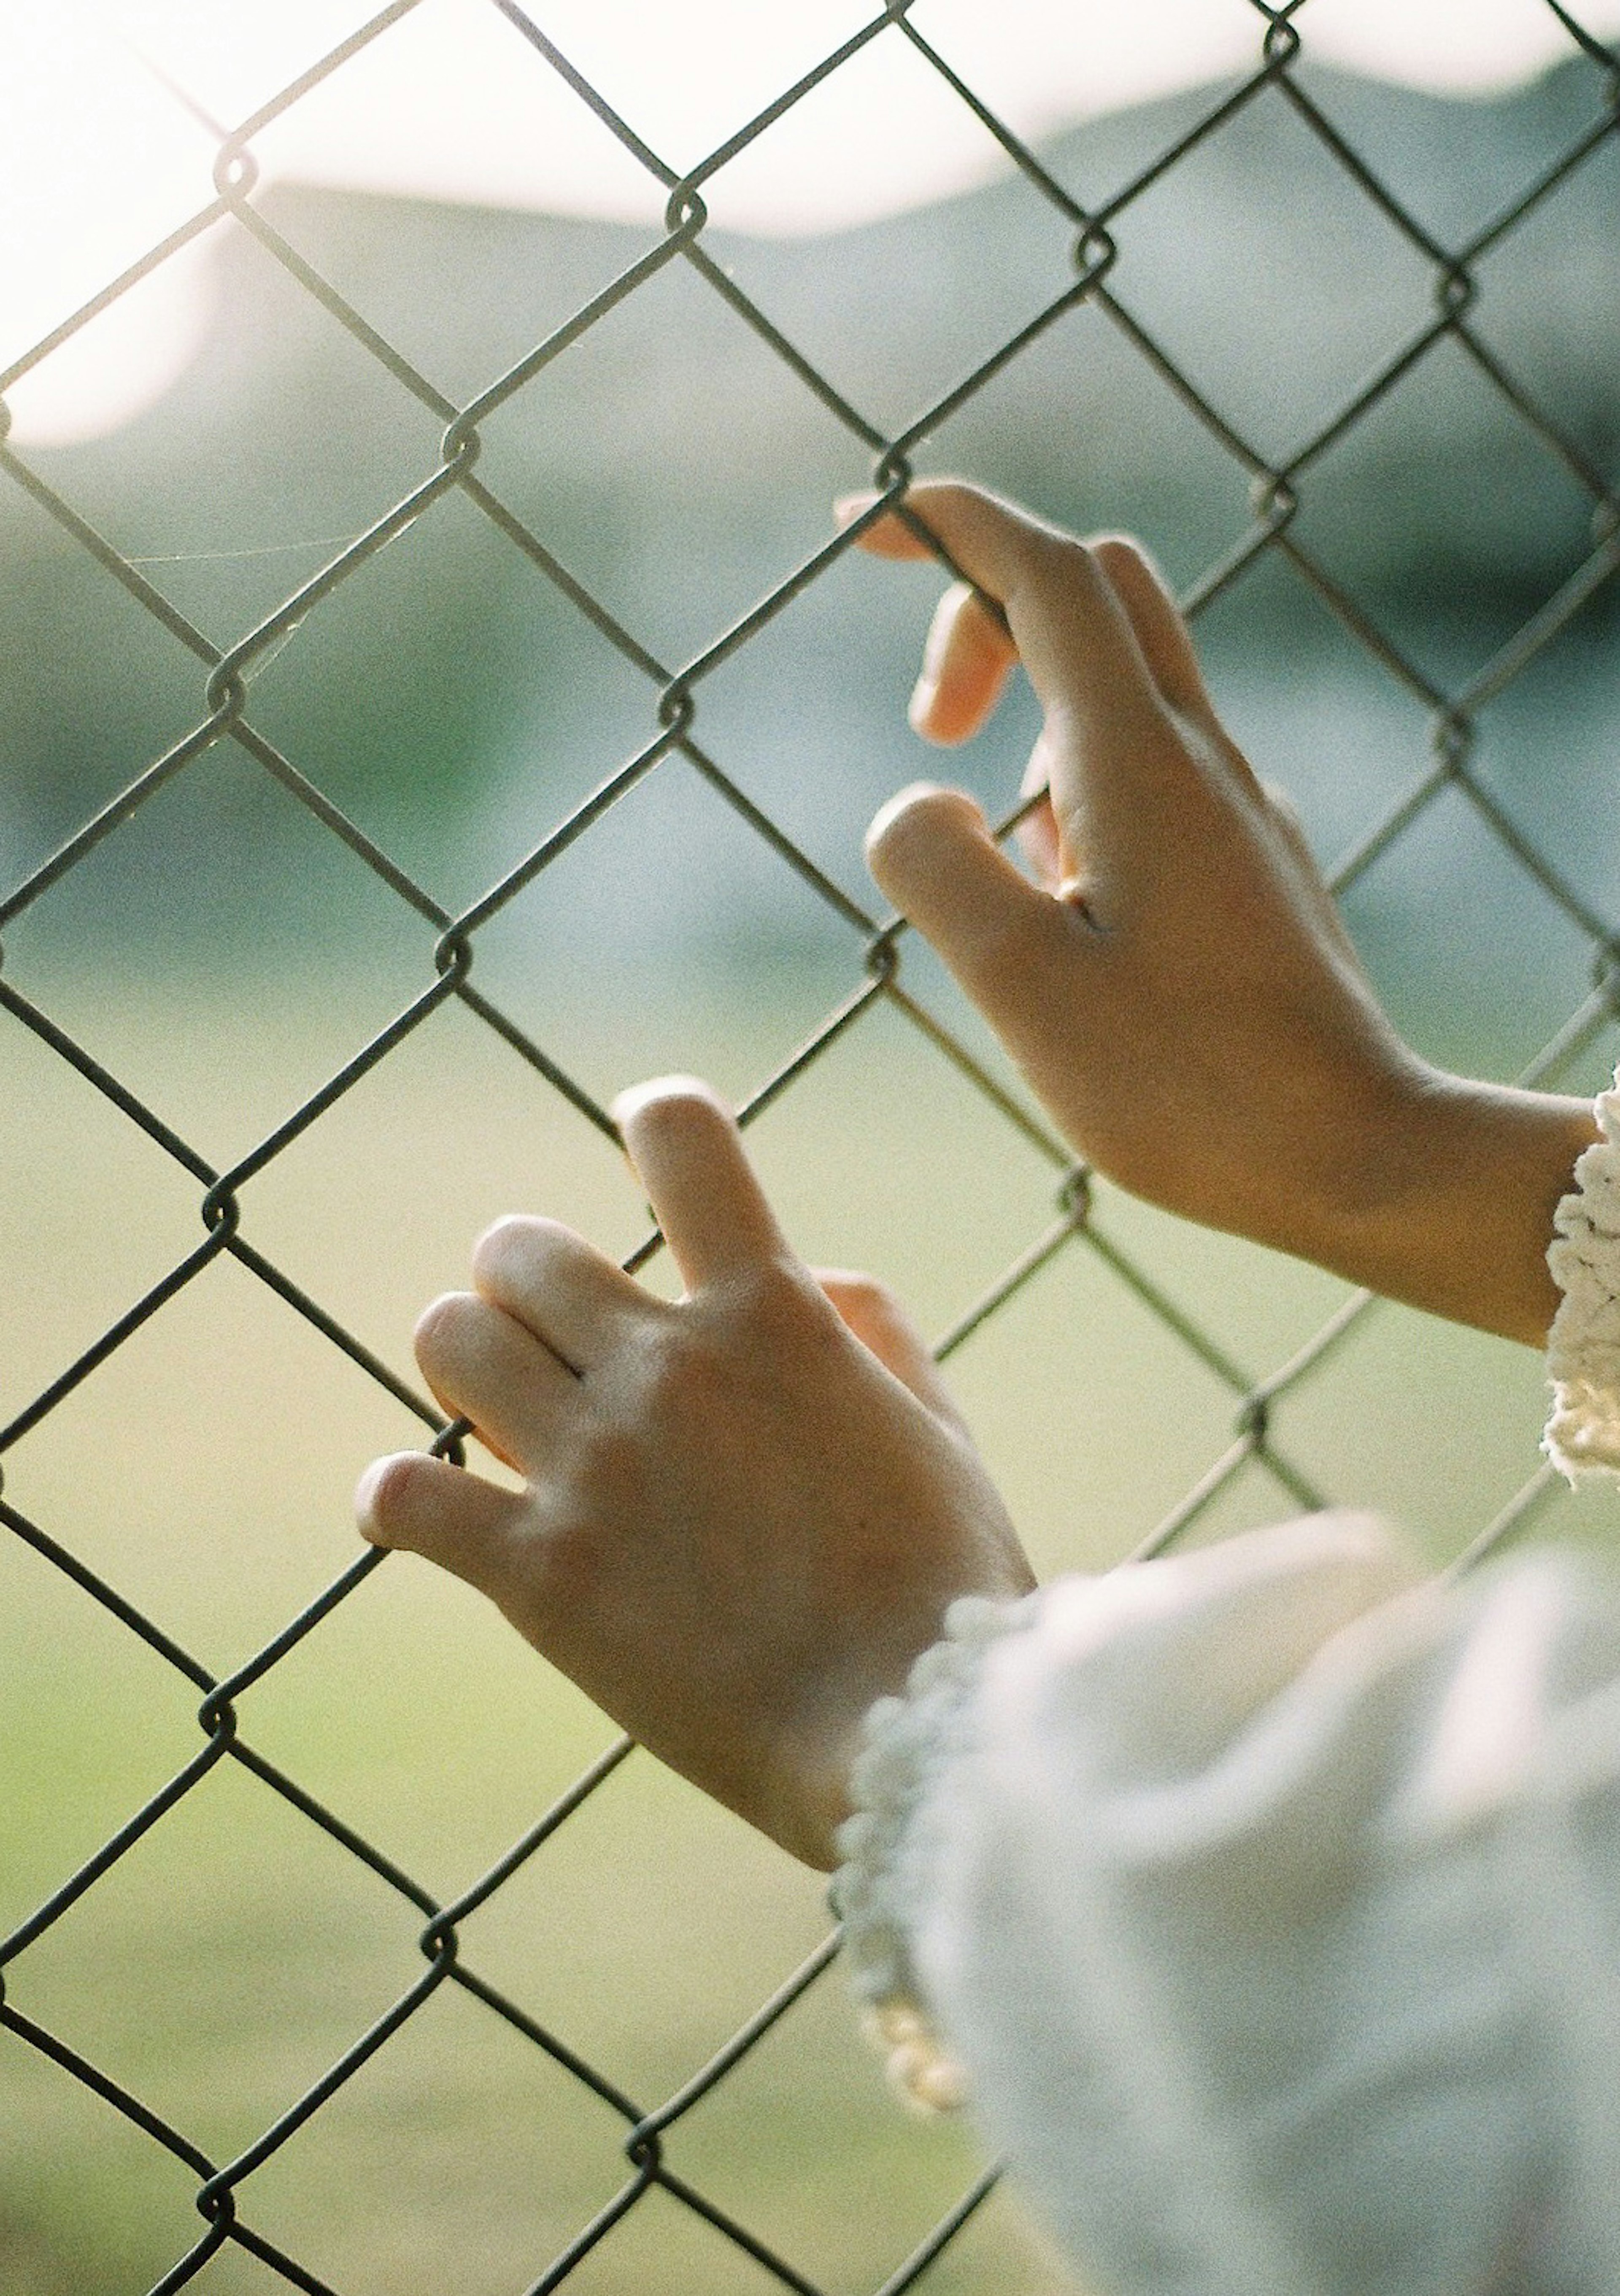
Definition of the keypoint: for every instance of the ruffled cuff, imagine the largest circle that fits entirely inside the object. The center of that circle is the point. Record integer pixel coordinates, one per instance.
(880, 1888)
(1583, 1434)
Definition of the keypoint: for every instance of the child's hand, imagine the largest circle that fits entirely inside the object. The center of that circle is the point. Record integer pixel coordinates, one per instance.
(745, 1513)
(1179, 988)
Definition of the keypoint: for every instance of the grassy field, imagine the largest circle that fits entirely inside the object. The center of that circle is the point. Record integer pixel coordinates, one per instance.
(206, 1469)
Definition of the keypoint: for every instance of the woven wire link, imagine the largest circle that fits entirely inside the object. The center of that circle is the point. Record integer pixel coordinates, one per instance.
(877, 947)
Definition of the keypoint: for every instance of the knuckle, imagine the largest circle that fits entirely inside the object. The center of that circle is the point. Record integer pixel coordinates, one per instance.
(949, 495)
(676, 1114)
(508, 1239)
(518, 1245)
(939, 806)
(867, 1295)
(389, 1494)
(748, 1313)
(1097, 570)
(675, 1109)
(913, 817)
(779, 1285)
(972, 515)
(780, 1305)
(1120, 555)
(444, 1326)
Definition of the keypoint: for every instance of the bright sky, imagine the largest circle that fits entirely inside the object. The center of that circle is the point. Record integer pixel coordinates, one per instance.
(101, 154)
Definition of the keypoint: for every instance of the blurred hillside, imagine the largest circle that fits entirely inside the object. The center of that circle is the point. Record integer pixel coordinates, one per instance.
(451, 701)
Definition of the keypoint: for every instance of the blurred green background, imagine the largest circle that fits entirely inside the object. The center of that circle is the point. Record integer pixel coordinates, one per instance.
(222, 955)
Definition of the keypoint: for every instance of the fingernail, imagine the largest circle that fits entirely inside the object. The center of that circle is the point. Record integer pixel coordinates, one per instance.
(850, 506)
(936, 649)
(366, 1490)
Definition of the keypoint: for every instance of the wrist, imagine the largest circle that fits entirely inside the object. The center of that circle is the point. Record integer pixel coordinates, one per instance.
(822, 1782)
(1451, 1188)
(822, 1792)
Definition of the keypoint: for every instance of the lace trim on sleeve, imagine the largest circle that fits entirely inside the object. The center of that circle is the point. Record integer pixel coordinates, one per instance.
(875, 1891)
(1583, 1434)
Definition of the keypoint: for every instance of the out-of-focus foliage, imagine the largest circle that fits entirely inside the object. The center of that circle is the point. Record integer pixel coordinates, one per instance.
(448, 697)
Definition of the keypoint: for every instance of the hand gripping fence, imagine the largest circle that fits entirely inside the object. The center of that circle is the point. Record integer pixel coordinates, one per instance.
(875, 948)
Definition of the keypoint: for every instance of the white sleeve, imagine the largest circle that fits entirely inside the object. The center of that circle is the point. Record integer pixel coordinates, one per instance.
(1584, 1348)
(1272, 1898)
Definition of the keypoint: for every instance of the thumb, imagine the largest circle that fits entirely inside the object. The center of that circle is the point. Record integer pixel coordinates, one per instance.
(931, 854)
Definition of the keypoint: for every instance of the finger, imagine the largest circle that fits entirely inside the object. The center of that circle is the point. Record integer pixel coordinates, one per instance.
(1066, 621)
(555, 1284)
(1039, 836)
(1290, 827)
(965, 664)
(1042, 845)
(455, 1519)
(689, 1153)
(482, 1363)
(881, 1326)
(1156, 623)
(886, 537)
(932, 853)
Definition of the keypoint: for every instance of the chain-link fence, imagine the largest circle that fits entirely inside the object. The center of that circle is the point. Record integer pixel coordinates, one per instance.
(1300, 1400)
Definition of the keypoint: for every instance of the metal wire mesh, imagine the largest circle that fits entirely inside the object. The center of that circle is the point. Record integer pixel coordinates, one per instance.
(873, 949)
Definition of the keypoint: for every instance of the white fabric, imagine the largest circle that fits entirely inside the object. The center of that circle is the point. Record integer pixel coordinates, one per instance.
(1270, 1895)
(1584, 1348)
